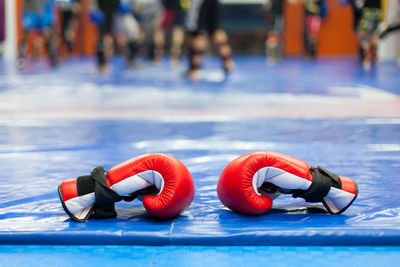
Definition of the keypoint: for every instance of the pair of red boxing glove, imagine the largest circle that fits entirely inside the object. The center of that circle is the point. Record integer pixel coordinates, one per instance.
(247, 185)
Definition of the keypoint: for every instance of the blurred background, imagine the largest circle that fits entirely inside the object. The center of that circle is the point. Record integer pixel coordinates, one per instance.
(90, 82)
(253, 26)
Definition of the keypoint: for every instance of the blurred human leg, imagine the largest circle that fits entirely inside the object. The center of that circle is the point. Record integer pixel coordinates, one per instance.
(30, 22)
(177, 40)
(220, 41)
(126, 25)
(197, 47)
(368, 35)
(105, 39)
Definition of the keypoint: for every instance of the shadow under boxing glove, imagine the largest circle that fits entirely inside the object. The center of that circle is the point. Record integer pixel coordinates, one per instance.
(161, 181)
(250, 182)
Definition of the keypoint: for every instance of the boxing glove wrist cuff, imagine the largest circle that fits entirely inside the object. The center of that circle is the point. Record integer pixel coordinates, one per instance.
(335, 192)
(77, 197)
(322, 182)
(104, 195)
(101, 205)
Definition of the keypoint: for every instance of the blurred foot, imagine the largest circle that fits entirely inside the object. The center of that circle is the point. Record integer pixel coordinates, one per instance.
(271, 60)
(21, 63)
(229, 65)
(175, 62)
(367, 64)
(133, 65)
(53, 60)
(193, 75)
(103, 68)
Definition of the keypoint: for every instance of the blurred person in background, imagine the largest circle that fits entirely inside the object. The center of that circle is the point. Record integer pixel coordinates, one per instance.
(116, 25)
(2, 25)
(314, 12)
(392, 25)
(172, 21)
(275, 18)
(70, 10)
(149, 12)
(202, 21)
(367, 29)
(38, 16)
(102, 13)
(356, 8)
(127, 31)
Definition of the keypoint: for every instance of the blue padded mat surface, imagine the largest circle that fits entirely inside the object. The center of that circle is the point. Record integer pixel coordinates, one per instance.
(197, 256)
(59, 124)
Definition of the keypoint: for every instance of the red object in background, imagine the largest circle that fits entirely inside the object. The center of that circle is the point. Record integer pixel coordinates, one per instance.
(313, 25)
(167, 19)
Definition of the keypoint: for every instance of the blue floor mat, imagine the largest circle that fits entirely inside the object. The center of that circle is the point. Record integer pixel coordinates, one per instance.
(197, 256)
(59, 124)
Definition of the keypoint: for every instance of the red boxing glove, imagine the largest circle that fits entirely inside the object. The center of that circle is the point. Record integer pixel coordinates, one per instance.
(250, 182)
(163, 183)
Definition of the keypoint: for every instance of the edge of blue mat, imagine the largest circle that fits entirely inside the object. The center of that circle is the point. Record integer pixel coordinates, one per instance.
(265, 239)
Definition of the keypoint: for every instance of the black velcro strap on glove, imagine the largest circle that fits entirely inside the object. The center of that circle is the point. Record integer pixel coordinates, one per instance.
(105, 196)
(322, 182)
